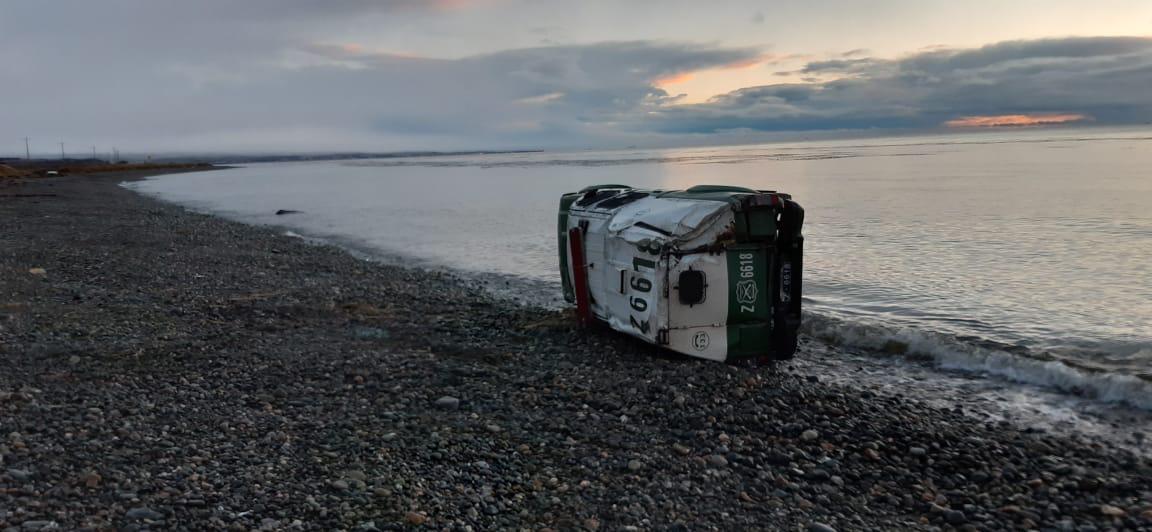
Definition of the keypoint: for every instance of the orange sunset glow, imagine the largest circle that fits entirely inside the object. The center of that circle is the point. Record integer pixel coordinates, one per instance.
(674, 79)
(697, 86)
(1021, 120)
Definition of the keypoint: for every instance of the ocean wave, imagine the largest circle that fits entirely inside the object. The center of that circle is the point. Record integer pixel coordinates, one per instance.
(1013, 363)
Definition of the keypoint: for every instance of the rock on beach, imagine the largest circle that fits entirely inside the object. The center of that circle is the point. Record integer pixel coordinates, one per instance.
(447, 403)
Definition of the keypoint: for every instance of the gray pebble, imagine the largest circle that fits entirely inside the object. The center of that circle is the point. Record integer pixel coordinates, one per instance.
(39, 524)
(143, 512)
(716, 460)
(448, 403)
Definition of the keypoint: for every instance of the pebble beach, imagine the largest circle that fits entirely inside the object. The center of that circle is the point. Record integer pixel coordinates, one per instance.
(164, 369)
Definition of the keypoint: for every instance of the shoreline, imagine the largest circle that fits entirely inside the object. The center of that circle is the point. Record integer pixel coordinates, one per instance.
(177, 367)
(984, 380)
(889, 325)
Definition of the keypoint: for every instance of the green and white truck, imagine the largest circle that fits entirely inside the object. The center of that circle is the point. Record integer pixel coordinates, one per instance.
(712, 271)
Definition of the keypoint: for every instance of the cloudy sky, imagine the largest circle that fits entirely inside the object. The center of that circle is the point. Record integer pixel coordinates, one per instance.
(284, 75)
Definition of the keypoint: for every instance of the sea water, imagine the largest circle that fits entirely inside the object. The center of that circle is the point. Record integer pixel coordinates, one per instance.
(1024, 256)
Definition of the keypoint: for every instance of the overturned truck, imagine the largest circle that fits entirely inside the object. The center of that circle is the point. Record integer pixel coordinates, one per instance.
(712, 271)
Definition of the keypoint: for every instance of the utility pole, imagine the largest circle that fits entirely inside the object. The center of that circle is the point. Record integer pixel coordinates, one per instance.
(62, 156)
(93, 152)
(27, 152)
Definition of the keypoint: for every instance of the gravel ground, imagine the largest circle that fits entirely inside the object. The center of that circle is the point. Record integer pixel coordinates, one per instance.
(165, 369)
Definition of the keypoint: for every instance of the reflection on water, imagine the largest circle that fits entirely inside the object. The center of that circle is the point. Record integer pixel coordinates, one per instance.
(1034, 244)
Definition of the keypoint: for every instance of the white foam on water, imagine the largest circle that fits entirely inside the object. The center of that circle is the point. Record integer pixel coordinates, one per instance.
(951, 353)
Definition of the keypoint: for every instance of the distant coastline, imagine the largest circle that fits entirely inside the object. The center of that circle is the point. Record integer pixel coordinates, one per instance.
(28, 168)
(20, 167)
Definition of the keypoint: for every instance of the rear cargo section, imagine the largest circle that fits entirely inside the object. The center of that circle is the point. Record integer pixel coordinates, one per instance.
(712, 272)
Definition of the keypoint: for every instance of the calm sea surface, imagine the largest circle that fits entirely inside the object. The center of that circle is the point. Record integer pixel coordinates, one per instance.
(1026, 255)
